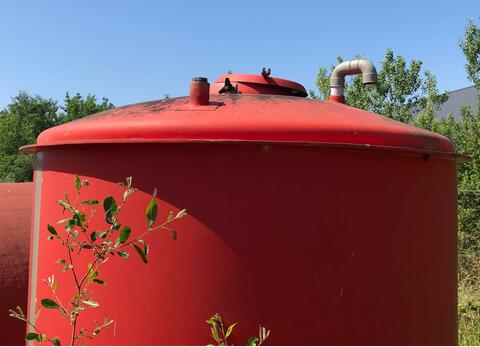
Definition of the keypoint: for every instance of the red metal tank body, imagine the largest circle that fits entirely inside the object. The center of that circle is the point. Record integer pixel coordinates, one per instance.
(328, 224)
(15, 215)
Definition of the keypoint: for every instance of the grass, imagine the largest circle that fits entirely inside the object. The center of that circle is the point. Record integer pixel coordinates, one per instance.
(469, 314)
(469, 299)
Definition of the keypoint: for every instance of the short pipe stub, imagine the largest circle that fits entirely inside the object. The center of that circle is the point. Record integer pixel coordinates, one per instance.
(199, 91)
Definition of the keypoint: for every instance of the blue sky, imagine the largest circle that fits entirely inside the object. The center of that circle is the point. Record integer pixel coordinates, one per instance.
(130, 51)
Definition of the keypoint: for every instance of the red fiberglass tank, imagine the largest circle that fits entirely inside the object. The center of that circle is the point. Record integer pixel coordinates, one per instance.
(325, 223)
(15, 215)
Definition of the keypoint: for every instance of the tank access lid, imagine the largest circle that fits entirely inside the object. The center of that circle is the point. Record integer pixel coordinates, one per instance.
(256, 84)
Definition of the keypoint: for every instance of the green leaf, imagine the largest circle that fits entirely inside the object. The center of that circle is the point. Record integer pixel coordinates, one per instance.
(75, 298)
(90, 202)
(31, 336)
(74, 235)
(78, 184)
(110, 207)
(216, 319)
(124, 234)
(230, 329)
(174, 235)
(141, 253)
(93, 236)
(63, 221)
(79, 218)
(102, 235)
(145, 246)
(56, 341)
(49, 303)
(52, 230)
(214, 334)
(91, 303)
(127, 193)
(252, 341)
(99, 281)
(92, 275)
(64, 205)
(123, 254)
(181, 214)
(55, 286)
(67, 267)
(67, 199)
(70, 225)
(151, 212)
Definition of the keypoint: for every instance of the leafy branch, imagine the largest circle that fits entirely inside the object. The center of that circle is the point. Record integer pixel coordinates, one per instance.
(76, 238)
(220, 335)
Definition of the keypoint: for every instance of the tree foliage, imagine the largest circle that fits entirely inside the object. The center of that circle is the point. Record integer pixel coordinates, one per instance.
(402, 89)
(26, 117)
(20, 123)
(465, 134)
(78, 107)
(470, 45)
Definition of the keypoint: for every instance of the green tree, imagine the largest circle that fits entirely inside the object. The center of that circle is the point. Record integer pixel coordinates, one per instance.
(470, 45)
(401, 92)
(428, 105)
(25, 118)
(20, 124)
(465, 134)
(77, 107)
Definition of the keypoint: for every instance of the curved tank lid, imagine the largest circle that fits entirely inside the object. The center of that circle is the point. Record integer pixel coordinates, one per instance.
(244, 118)
(256, 84)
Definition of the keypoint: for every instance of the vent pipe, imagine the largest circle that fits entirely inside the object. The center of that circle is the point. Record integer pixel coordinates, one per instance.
(199, 91)
(347, 68)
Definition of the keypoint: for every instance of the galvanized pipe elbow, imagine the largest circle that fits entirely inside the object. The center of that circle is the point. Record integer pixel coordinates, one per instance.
(351, 67)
